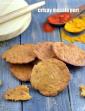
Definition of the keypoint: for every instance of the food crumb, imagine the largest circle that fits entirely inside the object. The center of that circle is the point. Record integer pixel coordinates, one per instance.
(82, 91)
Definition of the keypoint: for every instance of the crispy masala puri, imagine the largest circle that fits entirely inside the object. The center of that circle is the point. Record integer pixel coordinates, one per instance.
(21, 71)
(50, 77)
(44, 50)
(19, 54)
(69, 53)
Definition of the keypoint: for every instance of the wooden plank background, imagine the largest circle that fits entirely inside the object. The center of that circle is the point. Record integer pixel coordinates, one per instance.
(78, 73)
(69, 99)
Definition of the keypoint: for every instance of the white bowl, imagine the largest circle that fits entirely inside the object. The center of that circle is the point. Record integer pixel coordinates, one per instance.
(17, 26)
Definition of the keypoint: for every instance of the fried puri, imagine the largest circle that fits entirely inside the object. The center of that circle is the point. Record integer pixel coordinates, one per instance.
(50, 77)
(69, 53)
(44, 50)
(21, 71)
(20, 54)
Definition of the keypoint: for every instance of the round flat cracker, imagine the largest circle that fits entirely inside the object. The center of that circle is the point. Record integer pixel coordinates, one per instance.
(44, 50)
(50, 77)
(21, 71)
(69, 53)
(20, 54)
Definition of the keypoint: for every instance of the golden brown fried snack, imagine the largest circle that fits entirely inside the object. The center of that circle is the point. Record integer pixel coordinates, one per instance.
(82, 90)
(44, 50)
(69, 53)
(20, 54)
(21, 71)
(50, 77)
(18, 93)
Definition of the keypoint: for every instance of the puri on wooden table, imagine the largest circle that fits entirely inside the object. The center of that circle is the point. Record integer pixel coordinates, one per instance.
(69, 99)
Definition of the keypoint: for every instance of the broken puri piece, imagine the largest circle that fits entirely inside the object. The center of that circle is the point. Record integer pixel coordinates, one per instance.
(82, 90)
(18, 93)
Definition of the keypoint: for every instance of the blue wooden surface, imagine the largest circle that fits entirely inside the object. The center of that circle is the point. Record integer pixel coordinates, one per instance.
(69, 99)
(8, 80)
(78, 73)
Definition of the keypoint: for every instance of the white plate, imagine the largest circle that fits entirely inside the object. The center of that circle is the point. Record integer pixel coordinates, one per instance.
(14, 27)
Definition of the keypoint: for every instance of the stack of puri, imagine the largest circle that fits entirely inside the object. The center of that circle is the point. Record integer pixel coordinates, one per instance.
(20, 58)
(44, 64)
